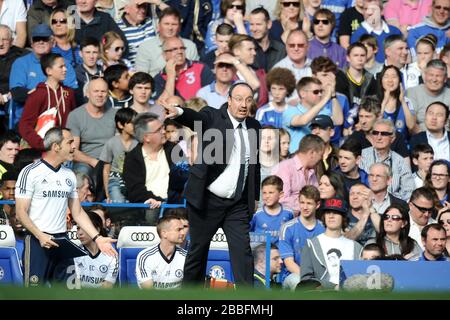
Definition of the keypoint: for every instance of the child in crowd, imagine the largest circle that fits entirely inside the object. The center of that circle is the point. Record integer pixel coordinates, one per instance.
(117, 77)
(371, 252)
(113, 155)
(422, 157)
(112, 49)
(141, 86)
(173, 130)
(285, 140)
(281, 84)
(272, 215)
(371, 44)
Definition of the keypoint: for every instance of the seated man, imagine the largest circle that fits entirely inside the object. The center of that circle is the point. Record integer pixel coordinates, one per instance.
(9, 148)
(259, 260)
(161, 266)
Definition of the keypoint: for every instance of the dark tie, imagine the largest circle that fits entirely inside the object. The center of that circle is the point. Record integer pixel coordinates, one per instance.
(240, 182)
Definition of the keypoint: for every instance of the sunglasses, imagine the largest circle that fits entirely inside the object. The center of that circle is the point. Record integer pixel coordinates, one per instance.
(316, 92)
(236, 6)
(394, 217)
(288, 4)
(422, 209)
(175, 49)
(224, 65)
(442, 8)
(325, 22)
(62, 21)
(444, 221)
(296, 45)
(117, 49)
(382, 133)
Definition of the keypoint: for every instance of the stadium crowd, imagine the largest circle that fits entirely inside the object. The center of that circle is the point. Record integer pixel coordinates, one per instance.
(352, 95)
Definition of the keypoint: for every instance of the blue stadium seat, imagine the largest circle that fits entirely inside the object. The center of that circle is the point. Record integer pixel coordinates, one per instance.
(10, 270)
(219, 264)
(131, 241)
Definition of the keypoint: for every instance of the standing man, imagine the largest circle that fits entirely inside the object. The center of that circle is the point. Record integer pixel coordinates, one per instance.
(224, 193)
(45, 190)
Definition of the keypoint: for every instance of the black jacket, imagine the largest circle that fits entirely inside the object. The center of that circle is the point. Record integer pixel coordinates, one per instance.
(134, 172)
(421, 137)
(203, 174)
(6, 62)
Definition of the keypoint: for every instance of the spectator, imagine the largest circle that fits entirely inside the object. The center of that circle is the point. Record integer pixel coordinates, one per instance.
(403, 14)
(9, 148)
(108, 225)
(371, 44)
(113, 155)
(226, 67)
(289, 16)
(322, 126)
(112, 51)
(322, 254)
(95, 270)
(375, 24)
(137, 25)
(438, 179)
(148, 58)
(114, 8)
(294, 233)
(281, 84)
(436, 23)
(324, 22)
(425, 52)
(181, 77)
(84, 187)
(141, 87)
(434, 240)
(50, 99)
(402, 182)
(444, 220)
(372, 252)
(8, 54)
(268, 151)
(147, 168)
(313, 98)
(285, 140)
(394, 105)
(422, 156)
(161, 266)
(95, 23)
(89, 69)
(223, 35)
(350, 21)
(118, 77)
(14, 15)
(272, 215)
(396, 54)
(7, 192)
(349, 158)
(259, 260)
(435, 134)
(92, 126)
(380, 178)
(445, 57)
(363, 219)
(332, 185)
(393, 236)
(272, 50)
(63, 28)
(232, 12)
(432, 90)
(298, 171)
(422, 210)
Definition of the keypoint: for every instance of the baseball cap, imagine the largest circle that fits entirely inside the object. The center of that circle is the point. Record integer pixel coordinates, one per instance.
(322, 121)
(334, 204)
(41, 31)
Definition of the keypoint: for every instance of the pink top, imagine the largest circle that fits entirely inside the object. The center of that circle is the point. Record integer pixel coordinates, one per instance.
(406, 13)
(292, 172)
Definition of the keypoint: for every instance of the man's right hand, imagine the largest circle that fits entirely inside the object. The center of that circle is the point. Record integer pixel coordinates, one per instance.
(154, 204)
(46, 241)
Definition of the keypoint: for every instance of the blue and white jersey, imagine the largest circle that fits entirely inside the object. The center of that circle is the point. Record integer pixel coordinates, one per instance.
(91, 271)
(268, 115)
(399, 120)
(49, 189)
(152, 264)
(262, 222)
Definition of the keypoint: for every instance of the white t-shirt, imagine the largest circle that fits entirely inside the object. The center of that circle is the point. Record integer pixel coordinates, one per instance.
(152, 264)
(91, 271)
(49, 190)
(13, 11)
(335, 249)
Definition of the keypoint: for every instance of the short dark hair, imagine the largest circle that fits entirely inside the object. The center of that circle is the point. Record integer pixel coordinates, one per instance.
(124, 116)
(140, 78)
(323, 64)
(262, 10)
(9, 136)
(306, 81)
(273, 181)
(89, 41)
(435, 226)
(388, 41)
(356, 45)
(421, 148)
(170, 11)
(48, 60)
(163, 221)
(310, 192)
(353, 146)
(443, 105)
(239, 83)
(422, 192)
(371, 104)
(97, 222)
(369, 39)
(224, 29)
(311, 142)
(113, 74)
(260, 251)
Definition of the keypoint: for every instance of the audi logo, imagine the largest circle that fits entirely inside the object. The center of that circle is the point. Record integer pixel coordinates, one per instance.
(219, 237)
(142, 236)
(3, 235)
(72, 235)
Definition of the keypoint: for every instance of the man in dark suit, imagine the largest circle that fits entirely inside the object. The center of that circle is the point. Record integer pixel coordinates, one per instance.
(223, 184)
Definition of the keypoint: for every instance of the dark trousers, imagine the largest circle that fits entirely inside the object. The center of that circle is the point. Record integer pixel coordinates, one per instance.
(234, 218)
(40, 267)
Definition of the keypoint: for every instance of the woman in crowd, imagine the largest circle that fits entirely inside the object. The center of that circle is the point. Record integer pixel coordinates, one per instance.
(332, 184)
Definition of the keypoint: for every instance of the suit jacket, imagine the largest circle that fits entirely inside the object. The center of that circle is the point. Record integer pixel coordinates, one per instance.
(203, 173)
(421, 137)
